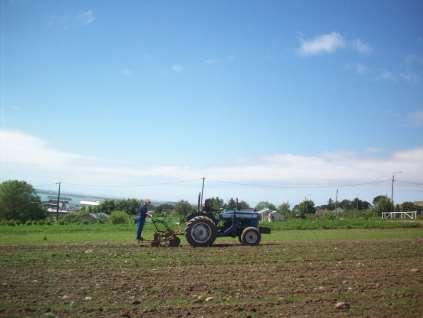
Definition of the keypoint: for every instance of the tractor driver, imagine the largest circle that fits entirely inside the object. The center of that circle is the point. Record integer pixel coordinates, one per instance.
(140, 220)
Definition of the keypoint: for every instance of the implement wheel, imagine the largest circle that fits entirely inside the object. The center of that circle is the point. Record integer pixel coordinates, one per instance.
(200, 231)
(250, 236)
(174, 241)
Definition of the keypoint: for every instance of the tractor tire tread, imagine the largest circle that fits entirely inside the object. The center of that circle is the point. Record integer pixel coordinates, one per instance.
(197, 219)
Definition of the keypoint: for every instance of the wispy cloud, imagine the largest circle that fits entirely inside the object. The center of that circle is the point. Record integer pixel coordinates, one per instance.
(4, 110)
(360, 46)
(330, 43)
(178, 68)
(386, 75)
(413, 59)
(416, 118)
(410, 78)
(383, 75)
(126, 72)
(326, 43)
(86, 17)
(211, 61)
(358, 68)
(69, 21)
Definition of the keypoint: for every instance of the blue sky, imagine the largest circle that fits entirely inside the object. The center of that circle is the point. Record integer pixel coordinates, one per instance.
(265, 93)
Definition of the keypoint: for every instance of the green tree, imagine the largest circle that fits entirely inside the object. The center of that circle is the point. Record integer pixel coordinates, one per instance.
(330, 205)
(409, 206)
(384, 204)
(242, 205)
(376, 199)
(164, 208)
(284, 208)
(107, 206)
(119, 217)
(345, 204)
(184, 208)
(19, 201)
(265, 205)
(231, 205)
(216, 203)
(359, 204)
(130, 206)
(306, 207)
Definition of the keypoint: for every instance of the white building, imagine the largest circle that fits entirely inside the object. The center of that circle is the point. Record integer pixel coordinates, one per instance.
(267, 215)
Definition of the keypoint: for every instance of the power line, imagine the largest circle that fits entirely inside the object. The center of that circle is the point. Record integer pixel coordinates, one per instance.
(130, 185)
(245, 184)
(291, 186)
(411, 183)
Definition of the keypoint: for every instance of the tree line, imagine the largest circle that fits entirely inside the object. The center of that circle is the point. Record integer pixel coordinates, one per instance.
(20, 202)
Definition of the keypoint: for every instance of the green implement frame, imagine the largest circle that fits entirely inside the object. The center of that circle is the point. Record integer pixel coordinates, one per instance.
(164, 235)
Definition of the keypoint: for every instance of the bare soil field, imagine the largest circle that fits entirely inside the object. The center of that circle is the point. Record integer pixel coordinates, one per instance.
(374, 278)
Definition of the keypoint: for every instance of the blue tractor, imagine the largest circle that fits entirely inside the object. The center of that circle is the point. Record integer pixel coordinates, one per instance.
(203, 227)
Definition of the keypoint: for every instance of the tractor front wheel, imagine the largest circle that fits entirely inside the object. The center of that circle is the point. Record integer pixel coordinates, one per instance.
(200, 231)
(250, 236)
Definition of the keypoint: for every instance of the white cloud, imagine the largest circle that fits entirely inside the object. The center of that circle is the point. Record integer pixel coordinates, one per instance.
(69, 21)
(21, 149)
(219, 60)
(410, 78)
(360, 46)
(387, 75)
(6, 109)
(416, 118)
(86, 17)
(177, 68)
(331, 42)
(358, 68)
(211, 61)
(326, 43)
(126, 72)
(414, 59)
(26, 155)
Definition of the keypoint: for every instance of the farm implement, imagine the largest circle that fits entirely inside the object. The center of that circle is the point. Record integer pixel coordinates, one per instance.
(163, 234)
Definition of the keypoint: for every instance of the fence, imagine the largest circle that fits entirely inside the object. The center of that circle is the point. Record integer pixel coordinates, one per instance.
(399, 215)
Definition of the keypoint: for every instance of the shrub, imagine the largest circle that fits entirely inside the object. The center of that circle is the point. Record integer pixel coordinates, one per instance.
(119, 217)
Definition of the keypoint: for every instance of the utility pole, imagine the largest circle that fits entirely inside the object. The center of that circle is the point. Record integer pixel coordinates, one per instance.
(336, 198)
(202, 191)
(58, 201)
(392, 187)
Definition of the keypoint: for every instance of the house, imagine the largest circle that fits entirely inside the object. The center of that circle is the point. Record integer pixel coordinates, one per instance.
(267, 215)
(89, 203)
(51, 205)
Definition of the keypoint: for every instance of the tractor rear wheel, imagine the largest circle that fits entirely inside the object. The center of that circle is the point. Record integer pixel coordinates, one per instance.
(250, 236)
(200, 231)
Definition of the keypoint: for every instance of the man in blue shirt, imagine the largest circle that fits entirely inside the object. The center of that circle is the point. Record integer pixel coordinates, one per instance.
(143, 213)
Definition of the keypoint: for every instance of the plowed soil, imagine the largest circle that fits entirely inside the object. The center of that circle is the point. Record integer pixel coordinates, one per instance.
(375, 278)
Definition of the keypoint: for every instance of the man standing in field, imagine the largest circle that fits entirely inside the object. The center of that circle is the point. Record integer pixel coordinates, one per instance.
(143, 213)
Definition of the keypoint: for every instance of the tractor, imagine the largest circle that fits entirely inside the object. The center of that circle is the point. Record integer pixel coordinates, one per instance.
(202, 228)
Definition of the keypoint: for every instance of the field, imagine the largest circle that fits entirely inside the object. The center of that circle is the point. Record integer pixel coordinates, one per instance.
(98, 270)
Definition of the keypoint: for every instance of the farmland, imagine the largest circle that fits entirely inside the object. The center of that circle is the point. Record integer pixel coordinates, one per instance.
(98, 270)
